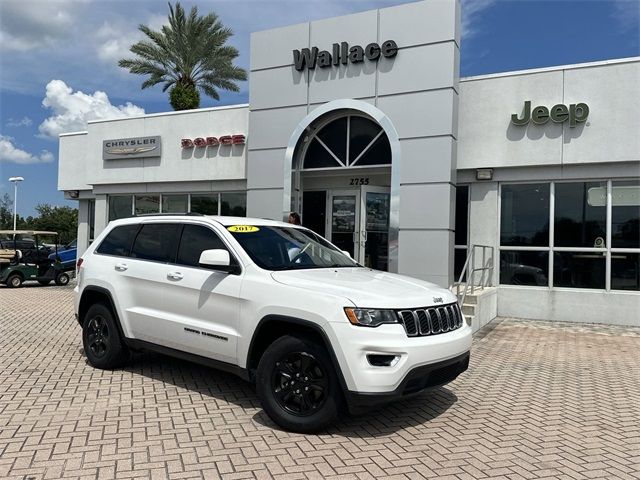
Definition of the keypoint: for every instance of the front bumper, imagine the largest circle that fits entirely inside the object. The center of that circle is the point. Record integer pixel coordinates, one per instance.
(354, 344)
(417, 380)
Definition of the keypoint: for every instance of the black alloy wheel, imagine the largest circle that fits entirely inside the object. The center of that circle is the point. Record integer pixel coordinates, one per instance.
(101, 338)
(98, 338)
(299, 383)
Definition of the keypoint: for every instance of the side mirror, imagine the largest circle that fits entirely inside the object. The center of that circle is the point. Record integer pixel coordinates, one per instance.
(215, 258)
(346, 253)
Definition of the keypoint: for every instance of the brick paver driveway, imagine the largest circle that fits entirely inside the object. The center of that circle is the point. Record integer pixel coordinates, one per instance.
(539, 400)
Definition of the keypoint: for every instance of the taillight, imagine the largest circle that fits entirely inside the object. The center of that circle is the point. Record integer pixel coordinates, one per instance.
(79, 263)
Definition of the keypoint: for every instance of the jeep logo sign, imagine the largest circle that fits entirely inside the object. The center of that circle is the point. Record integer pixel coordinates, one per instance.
(575, 113)
(342, 54)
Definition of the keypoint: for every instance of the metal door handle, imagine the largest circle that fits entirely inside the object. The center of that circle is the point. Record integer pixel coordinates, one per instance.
(121, 267)
(364, 236)
(174, 275)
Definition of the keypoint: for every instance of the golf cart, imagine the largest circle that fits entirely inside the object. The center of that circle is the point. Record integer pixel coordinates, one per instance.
(28, 259)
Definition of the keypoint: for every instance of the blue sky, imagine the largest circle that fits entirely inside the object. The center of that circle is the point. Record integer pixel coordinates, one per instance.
(50, 50)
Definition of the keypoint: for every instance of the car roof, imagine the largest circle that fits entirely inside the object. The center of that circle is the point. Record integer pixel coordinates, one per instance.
(223, 220)
(27, 232)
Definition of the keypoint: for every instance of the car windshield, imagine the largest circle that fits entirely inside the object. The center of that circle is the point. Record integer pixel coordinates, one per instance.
(284, 248)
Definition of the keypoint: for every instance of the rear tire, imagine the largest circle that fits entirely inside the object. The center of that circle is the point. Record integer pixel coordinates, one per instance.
(62, 279)
(298, 386)
(101, 338)
(14, 280)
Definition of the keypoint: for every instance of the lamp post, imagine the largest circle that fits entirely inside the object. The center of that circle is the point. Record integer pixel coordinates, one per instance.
(15, 181)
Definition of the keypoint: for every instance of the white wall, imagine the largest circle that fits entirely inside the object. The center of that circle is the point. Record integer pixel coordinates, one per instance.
(611, 134)
(416, 92)
(81, 164)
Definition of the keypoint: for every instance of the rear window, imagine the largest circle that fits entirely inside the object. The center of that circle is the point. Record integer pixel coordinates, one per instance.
(156, 242)
(118, 241)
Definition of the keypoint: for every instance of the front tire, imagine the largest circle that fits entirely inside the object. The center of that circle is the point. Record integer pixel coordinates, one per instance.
(14, 281)
(101, 339)
(298, 386)
(62, 279)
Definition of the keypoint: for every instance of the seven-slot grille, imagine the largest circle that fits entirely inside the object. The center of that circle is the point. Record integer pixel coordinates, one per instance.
(431, 320)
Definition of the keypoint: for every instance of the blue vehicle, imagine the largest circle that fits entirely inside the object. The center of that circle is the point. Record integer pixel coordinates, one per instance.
(67, 255)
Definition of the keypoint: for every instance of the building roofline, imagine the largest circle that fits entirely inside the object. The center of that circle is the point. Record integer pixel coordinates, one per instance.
(69, 134)
(601, 63)
(179, 112)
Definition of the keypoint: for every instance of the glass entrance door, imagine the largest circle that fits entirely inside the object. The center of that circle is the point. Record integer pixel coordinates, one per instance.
(344, 220)
(375, 227)
(358, 222)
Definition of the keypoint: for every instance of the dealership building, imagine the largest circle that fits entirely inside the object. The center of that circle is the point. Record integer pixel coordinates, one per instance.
(362, 124)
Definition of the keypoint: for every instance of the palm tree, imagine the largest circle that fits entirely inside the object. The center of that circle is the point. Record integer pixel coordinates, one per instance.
(188, 55)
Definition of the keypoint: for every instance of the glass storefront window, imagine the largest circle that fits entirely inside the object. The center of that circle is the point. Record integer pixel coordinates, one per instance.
(580, 214)
(120, 206)
(147, 204)
(175, 203)
(233, 204)
(205, 204)
(579, 251)
(521, 267)
(625, 271)
(625, 214)
(579, 269)
(524, 218)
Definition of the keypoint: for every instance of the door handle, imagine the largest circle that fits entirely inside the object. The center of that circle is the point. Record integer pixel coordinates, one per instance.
(121, 267)
(174, 276)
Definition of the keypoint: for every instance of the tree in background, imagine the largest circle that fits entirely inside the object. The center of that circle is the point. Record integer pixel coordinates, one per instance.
(63, 220)
(189, 55)
(6, 214)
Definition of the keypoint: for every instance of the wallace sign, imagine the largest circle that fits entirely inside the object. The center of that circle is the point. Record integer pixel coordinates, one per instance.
(341, 53)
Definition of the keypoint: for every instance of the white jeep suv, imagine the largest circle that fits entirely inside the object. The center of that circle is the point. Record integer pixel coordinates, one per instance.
(274, 303)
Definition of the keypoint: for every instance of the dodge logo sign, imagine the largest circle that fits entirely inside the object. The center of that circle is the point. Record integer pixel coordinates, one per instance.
(213, 141)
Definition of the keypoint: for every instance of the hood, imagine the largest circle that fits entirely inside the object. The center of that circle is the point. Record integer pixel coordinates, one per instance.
(367, 288)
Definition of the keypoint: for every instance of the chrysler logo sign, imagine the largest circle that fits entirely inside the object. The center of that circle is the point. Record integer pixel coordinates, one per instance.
(341, 53)
(138, 147)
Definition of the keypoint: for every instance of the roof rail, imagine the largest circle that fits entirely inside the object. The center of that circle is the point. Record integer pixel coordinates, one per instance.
(165, 214)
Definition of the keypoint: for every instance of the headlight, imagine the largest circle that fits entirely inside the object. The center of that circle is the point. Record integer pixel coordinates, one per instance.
(370, 317)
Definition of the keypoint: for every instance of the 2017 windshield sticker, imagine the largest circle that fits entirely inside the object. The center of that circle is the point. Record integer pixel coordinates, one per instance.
(242, 229)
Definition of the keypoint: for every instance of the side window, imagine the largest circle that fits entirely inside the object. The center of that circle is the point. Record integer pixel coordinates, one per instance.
(156, 242)
(118, 241)
(195, 239)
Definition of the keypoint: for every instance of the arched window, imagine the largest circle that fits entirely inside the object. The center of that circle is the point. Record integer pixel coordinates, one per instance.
(347, 141)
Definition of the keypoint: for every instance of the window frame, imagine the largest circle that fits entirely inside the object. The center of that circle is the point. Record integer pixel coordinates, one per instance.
(162, 195)
(607, 251)
(312, 133)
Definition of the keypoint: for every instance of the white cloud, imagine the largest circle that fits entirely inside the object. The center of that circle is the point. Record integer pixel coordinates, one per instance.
(72, 110)
(12, 154)
(23, 122)
(115, 37)
(29, 24)
(471, 10)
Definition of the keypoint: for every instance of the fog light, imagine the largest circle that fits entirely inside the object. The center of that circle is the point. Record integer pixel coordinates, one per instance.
(378, 360)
